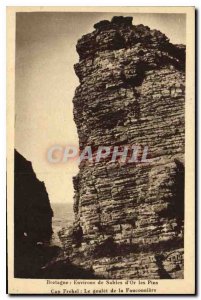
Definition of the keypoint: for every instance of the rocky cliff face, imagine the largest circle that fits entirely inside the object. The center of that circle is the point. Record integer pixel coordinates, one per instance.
(32, 217)
(129, 217)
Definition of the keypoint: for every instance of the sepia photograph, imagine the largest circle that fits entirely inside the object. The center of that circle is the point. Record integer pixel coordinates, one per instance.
(100, 183)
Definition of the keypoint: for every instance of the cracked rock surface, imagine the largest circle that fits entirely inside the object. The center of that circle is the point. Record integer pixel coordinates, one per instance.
(130, 217)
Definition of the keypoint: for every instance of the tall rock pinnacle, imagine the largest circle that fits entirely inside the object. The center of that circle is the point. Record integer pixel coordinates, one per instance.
(129, 217)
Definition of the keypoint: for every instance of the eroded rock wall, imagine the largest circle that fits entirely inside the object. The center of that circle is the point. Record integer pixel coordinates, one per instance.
(129, 217)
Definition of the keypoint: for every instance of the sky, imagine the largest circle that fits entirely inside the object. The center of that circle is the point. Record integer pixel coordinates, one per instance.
(45, 83)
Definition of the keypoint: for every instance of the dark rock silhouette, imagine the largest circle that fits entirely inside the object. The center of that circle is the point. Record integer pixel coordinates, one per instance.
(32, 219)
(33, 213)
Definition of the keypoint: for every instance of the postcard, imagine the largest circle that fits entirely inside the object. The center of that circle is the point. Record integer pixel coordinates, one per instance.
(100, 150)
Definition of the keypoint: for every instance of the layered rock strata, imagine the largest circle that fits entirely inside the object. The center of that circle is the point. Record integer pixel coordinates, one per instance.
(130, 217)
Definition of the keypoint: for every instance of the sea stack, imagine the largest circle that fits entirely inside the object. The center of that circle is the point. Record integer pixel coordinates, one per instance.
(129, 217)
